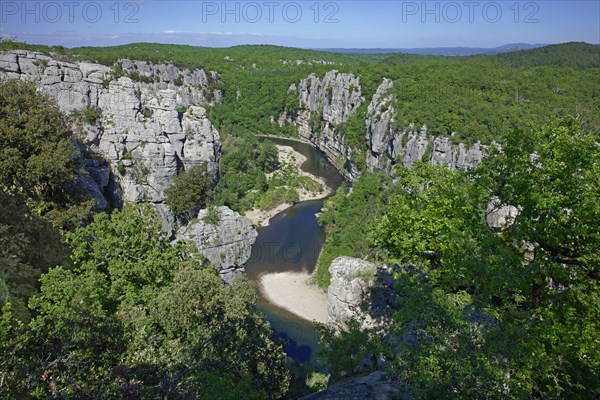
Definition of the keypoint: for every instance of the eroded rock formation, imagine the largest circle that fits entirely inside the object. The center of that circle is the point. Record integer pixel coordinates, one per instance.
(226, 241)
(139, 125)
(361, 290)
(334, 99)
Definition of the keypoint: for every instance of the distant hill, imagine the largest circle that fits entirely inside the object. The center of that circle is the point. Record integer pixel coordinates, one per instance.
(441, 51)
(572, 54)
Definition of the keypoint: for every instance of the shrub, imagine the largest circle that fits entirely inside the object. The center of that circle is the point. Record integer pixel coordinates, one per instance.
(190, 191)
(213, 216)
(178, 81)
(317, 381)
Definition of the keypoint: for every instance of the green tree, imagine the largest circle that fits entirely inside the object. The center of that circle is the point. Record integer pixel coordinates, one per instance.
(500, 313)
(37, 157)
(552, 175)
(39, 198)
(357, 210)
(190, 191)
(137, 317)
(129, 248)
(435, 216)
(447, 325)
(198, 325)
(267, 158)
(345, 348)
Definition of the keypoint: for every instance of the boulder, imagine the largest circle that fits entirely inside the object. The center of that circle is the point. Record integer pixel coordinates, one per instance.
(361, 290)
(226, 243)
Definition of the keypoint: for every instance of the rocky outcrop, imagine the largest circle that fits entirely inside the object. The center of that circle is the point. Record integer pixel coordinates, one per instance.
(325, 103)
(389, 146)
(500, 216)
(361, 290)
(374, 386)
(145, 119)
(225, 243)
(139, 125)
(148, 142)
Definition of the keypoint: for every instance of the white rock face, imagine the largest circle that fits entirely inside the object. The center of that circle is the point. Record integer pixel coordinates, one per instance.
(227, 245)
(388, 147)
(351, 283)
(498, 215)
(139, 131)
(148, 148)
(361, 290)
(336, 97)
(145, 137)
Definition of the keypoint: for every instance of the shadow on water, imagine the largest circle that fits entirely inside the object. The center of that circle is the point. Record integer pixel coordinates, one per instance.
(292, 242)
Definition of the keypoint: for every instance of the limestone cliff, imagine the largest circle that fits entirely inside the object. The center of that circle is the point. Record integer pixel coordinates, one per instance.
(388, 146)
(138, 125)
(148, 129)
(226, 242)
(325, 103)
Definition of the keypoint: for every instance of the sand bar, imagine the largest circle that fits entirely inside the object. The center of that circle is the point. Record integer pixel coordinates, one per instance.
(294, 292)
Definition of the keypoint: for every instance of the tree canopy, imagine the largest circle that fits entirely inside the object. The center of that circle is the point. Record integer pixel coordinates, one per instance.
(137, 317)
(190, 191)
(39, 197)
(509, 312)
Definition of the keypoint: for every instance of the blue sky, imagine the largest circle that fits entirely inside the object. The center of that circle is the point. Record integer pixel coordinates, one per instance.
(310, 24)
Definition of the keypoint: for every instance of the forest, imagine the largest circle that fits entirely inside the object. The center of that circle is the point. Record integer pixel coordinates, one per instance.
(507, 312)
(98, 305)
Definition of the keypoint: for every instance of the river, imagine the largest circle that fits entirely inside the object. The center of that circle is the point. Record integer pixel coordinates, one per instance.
(292, 242)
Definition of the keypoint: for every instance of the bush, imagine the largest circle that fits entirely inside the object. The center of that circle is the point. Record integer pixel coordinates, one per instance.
(213, 216)
(276, 196)
(190, 191)
(121, 168)
(178, 81)
(317, 381)
(88, 115)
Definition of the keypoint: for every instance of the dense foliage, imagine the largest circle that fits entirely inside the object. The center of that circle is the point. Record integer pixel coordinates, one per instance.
(39, 197)
(137, 317)
(190, 191)
(357, 209)
(574, 55)
(128, 315)
(244, 164)
(38, 159)
(510, 312)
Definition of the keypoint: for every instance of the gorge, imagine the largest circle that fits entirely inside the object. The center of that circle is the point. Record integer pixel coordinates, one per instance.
(172, 226)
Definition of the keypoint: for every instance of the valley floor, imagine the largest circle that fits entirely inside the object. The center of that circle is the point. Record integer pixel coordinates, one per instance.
(294, 292)
(288, 155)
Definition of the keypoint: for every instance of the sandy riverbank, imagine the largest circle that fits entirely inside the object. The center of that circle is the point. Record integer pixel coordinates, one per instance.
(287, 155)
(294, 292)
